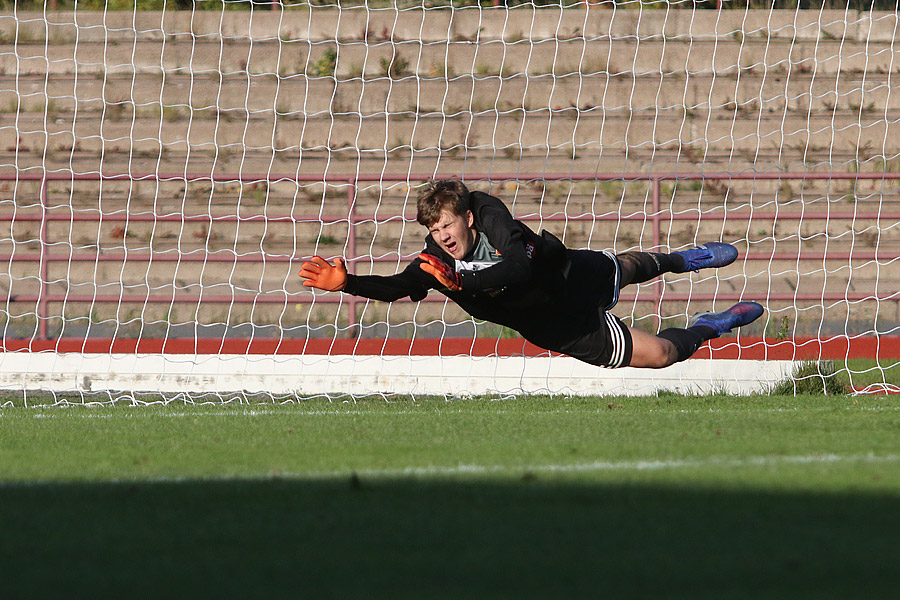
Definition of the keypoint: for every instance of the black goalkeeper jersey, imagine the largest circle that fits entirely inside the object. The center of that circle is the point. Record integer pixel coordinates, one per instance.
(528, 290)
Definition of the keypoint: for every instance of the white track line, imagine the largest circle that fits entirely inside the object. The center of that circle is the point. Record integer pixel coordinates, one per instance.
(486, 470)
(601, 466)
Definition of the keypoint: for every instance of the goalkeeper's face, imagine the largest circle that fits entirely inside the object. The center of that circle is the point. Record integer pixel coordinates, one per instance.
(454, 233)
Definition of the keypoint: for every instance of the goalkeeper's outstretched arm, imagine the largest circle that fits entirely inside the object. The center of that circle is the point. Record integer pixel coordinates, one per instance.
(320, 274)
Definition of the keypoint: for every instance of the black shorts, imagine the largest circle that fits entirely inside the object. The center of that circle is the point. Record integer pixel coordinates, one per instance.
(592, 277)
(592, 285)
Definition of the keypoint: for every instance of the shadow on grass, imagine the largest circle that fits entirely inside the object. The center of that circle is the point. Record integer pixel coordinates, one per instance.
(426, 539)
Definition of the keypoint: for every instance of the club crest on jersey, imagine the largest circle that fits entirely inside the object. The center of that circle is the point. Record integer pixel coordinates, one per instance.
(529, 250)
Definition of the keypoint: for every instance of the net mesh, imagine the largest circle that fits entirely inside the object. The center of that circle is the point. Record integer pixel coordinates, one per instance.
(163, 172)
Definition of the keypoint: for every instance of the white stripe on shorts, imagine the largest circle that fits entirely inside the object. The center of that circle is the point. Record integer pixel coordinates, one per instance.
(617, 340)
(617, 283)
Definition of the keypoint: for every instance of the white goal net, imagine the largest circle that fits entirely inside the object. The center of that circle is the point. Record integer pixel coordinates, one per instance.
(166, 166)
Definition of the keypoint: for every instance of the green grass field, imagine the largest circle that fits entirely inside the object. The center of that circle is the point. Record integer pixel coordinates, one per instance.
(670, 497)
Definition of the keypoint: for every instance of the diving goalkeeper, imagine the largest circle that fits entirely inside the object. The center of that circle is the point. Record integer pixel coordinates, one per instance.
(499, 270)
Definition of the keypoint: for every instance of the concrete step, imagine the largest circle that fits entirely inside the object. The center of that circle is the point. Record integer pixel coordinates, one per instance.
(435, 24)
(593, 132)
(529, 194)
(344, 60)
(232, 96)
(318, 164)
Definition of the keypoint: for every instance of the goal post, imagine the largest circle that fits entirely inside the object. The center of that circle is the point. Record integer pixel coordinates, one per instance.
(164, 172)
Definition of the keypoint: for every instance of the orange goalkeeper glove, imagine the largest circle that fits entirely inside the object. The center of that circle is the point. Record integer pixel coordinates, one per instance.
(441, 271)
(321, 274)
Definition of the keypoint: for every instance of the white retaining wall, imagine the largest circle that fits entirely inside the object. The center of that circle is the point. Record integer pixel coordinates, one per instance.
(312, 375)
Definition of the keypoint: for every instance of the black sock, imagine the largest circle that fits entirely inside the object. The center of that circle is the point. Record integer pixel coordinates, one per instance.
(708, 333)
(675, 262)
(687, 341)
(662, 263)
(649, 265)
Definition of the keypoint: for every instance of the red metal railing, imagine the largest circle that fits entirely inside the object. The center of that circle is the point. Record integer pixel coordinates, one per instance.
(353, 217)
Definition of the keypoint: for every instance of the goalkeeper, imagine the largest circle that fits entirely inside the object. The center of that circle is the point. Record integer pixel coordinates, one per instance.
(499, 270)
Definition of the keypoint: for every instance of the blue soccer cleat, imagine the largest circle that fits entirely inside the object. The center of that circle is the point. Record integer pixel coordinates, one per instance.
(712, 254)
(742, 313)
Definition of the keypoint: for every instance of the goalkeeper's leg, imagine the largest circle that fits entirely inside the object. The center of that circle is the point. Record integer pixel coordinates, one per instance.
(675, 345)
(638, 267)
